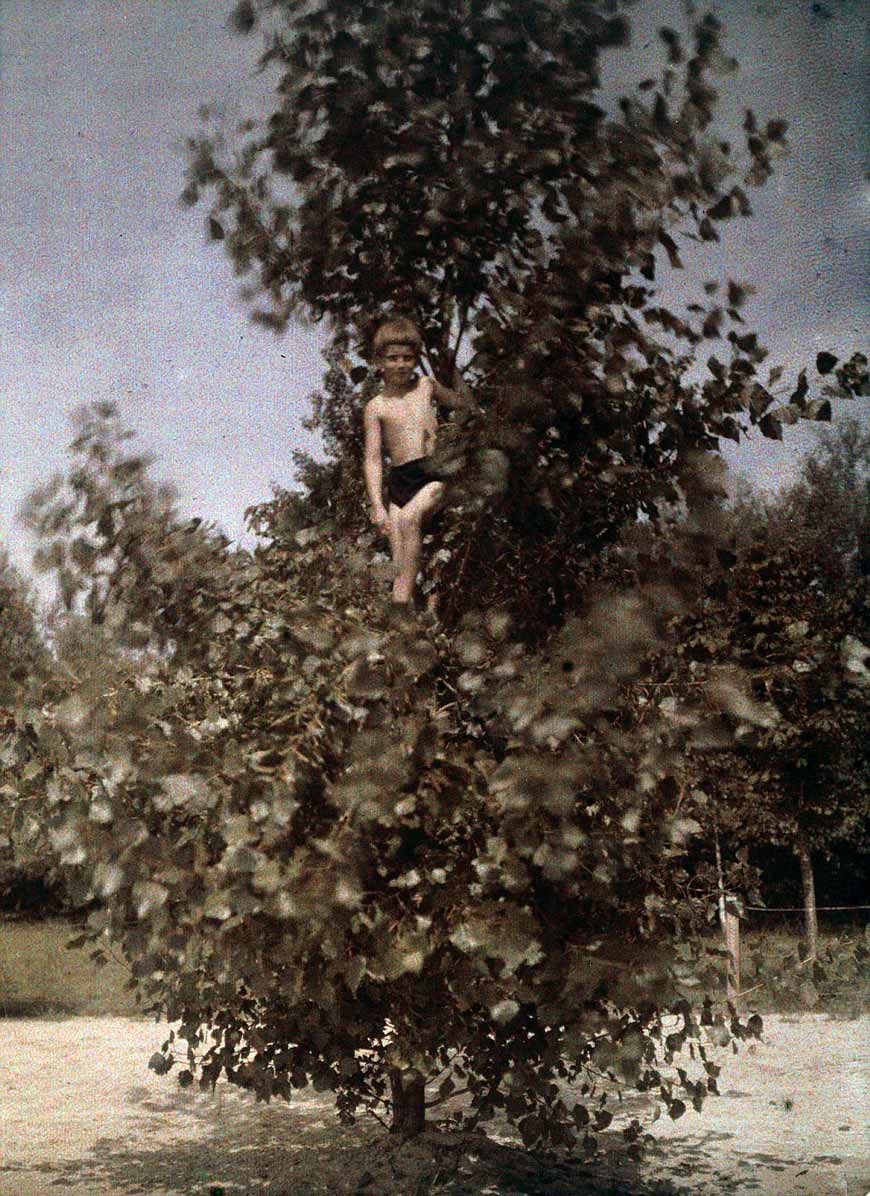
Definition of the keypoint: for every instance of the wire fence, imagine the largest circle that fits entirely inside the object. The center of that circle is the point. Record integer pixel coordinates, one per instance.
(736, 922)
(799, 909)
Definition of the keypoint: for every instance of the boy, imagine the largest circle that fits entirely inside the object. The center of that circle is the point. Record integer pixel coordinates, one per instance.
(402, 420)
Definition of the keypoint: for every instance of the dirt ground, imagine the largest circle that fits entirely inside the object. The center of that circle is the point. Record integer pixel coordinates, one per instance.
(80, 1113)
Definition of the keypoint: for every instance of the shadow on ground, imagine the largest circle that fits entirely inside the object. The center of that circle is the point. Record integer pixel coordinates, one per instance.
(225, 1145)
(232, 1147)
(80, 1114)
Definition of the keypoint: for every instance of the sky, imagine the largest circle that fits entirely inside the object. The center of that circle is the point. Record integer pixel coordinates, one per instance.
(109, 289)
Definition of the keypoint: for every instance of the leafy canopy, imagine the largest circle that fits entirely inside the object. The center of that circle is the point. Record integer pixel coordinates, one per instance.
(336, 847)
(795, 616)
(451, 160)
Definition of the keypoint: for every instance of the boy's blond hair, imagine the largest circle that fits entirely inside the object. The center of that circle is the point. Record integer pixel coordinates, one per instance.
(399, 331)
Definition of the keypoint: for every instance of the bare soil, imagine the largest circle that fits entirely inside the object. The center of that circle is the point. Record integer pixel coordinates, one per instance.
(80, 1112)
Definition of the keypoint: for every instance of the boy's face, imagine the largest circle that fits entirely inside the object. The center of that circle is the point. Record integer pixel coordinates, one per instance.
(398, 364)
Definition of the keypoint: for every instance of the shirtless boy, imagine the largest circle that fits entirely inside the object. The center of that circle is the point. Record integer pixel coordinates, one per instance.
(402, 420)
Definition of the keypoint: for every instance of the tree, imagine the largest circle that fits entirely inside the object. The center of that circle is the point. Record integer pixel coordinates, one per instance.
(90, 651)
(21, 646)
(364, 854)
(794, 615)
(24, 665)
(374, 854)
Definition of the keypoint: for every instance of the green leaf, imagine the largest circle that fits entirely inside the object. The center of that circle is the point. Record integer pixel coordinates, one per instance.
(531, 1129)
(771, 426)
(819, 409)
(160, 1064)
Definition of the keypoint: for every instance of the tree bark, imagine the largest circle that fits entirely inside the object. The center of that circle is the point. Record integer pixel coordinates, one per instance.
(811, 919)
(408, 1094)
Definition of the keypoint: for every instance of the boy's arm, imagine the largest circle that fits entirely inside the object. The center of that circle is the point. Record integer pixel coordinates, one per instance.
(460, 396)
(373, 467)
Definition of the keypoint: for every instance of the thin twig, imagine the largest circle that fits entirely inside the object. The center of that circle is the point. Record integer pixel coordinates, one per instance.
(439, 1100)
(377, 1117)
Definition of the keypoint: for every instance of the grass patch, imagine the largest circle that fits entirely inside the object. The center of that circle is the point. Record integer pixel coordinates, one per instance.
(777, 978)
(39, 977)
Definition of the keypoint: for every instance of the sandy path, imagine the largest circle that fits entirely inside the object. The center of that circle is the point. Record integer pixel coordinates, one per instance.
(79, 1112)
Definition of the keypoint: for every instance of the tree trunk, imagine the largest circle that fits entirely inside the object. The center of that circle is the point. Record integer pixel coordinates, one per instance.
(811, 920)
(408, 1093)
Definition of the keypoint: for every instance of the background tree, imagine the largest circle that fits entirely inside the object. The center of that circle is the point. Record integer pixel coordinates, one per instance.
(25, 664)
(22, 648)
(793, 613)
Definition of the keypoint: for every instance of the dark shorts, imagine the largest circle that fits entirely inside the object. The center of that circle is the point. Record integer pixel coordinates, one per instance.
(409, 479)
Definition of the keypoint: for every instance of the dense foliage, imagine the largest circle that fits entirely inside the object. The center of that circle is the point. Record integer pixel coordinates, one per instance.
(317, 830)
(451, 160)
(784, 639)
(24, 661)
(797, 616)
(22, 650)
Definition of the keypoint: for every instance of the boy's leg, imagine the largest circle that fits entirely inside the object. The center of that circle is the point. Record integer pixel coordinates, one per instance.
(395, 537)
(409, 522)
(393, 533)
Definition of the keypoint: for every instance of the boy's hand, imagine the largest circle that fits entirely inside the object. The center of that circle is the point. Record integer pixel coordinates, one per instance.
(459, 396)
(461, 386)
(380, 518)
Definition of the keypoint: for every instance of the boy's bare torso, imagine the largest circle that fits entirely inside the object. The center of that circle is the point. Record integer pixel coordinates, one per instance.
(402, 422)
(408, 422)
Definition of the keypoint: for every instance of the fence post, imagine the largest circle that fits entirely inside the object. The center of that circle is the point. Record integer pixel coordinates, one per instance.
(730, 922)
(731, 926)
